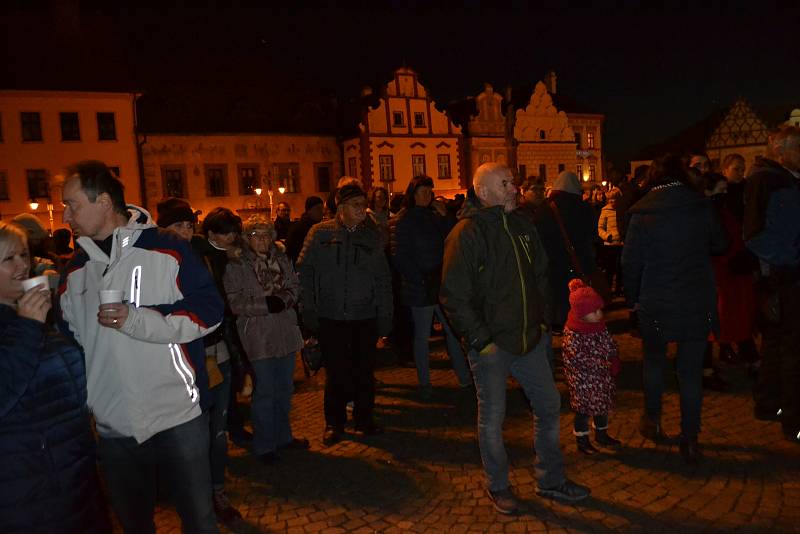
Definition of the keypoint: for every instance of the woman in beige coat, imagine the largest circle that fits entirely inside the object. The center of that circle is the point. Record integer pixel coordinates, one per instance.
(262, 290)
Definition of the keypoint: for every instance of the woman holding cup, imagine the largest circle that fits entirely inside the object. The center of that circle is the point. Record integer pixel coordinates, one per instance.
(47, 462)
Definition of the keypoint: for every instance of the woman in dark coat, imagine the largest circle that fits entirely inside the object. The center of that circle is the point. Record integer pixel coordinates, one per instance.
(669, 280)
(48, 478)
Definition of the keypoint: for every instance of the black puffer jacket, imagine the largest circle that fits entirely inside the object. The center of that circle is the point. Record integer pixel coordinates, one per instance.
(48, 480)
(494, 281)
(666, 262)
(345, 276)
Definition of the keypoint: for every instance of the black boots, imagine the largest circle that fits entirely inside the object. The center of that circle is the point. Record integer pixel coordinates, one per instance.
(690, 450)
(652, 430)
(585, 446)
(602, 438)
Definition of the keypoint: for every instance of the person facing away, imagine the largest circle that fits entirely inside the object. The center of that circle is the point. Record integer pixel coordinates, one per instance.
(417, 252)
(141, 387)
(347, 302)
(48, 478)
(262, 289)
(495, 293)
(591, 361)
(315, 209)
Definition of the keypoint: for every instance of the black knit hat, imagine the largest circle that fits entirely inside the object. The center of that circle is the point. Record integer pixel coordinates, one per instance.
(312, 201)
(349, 191)
(174, 210)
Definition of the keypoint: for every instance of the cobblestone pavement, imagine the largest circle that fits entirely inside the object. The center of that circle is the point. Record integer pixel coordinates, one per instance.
(424, 474)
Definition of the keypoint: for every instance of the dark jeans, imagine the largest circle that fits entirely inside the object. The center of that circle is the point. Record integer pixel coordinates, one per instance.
(581, 424)
(180, 456)
(609, 260)
(778, 385)
(349, 351)
(217, 417)
(689, 365)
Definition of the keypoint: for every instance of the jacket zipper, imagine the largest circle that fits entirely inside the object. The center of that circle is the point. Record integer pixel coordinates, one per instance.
(522, 285)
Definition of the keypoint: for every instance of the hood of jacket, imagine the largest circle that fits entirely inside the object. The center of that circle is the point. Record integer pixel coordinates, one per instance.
(673, 197)
(124, 236)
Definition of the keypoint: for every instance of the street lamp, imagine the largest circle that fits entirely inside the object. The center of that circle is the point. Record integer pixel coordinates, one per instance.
(34, 205)
(281, 190)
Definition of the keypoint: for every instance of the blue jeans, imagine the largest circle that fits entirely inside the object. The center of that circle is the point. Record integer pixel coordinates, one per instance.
(533, 372)
(423, 316)
(180, 456)
(689, 364)
(218, 418)
(272, 401)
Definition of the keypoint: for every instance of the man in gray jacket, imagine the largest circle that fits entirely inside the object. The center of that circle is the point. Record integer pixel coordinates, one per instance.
(347, 301)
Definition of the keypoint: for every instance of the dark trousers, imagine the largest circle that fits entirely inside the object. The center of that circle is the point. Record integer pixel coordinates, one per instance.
(778, 385)
(349, 351)
(581, 423)
(609, 260)
(180, 457)
(689, 364)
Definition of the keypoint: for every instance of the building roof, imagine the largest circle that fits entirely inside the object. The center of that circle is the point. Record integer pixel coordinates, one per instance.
(692, 138)
(521, 97)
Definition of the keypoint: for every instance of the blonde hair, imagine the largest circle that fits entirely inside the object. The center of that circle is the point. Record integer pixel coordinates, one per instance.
(9, 232)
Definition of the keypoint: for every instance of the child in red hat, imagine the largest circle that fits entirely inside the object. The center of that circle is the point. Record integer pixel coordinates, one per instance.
(591, 362)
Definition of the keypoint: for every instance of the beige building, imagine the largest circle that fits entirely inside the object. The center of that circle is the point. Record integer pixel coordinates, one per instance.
(405, 136)
(211, 170)
(489, 132)
(42, 132)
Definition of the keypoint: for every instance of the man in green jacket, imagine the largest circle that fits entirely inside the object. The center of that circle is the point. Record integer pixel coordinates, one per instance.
(494, 290)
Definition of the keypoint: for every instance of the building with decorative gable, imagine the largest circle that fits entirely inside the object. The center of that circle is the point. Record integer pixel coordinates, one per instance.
(405, 135)
(488, 136)
(742, 131)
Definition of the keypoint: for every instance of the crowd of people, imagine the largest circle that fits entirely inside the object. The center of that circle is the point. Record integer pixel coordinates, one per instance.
(157, 323)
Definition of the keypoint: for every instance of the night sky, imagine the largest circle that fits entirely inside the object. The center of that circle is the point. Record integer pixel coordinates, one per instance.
(652, 72)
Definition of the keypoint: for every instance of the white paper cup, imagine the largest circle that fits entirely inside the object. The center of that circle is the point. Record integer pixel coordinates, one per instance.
(30, 283)
(110, 296)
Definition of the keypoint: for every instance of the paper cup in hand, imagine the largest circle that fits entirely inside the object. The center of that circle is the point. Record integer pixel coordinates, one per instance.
(110, 296)
(30, 283)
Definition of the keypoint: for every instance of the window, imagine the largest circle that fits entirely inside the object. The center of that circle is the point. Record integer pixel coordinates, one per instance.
(3, 186)
(31, 126)
(542, 135)
(38, 185)
(287, 176)
(419, 119)
(352, 167)
(561, 167)
(174, 181)
(216, 180)
(387, 168)
(248, 179)
(591, 172)
(589, 139)
(115, 171)
(397, 118)
(523, 172)
(106, 127)
(70, 128)
(443, 161)
(579, 171)
(543, 171)
(322, 172)
(418, 165)
(578, 139)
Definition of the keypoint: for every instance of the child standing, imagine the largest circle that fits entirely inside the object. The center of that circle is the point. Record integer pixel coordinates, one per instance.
(591, 362)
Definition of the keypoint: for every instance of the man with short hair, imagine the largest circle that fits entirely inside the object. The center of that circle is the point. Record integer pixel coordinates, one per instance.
(283, 221)
(141, 387)
(495, 292)
(347, 301)
(772, 232)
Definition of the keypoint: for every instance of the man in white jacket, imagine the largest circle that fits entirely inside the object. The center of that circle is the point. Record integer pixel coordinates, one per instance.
(141, 385)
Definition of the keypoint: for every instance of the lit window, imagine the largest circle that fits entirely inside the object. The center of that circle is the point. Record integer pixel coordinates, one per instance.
(387, 168)
(444, 166)
(418, 165)
(590, 139)
(579, 171)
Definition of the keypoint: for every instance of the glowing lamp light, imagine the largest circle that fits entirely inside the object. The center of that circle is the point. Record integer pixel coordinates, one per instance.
(281, 190)
(258, 191)
(34, 205)
(604, 183)
(585, 178)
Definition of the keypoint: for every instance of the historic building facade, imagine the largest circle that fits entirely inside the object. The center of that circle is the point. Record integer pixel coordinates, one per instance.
(230, 169)
(405, 136)
(42, 132)
(742, 132)
(489, 133)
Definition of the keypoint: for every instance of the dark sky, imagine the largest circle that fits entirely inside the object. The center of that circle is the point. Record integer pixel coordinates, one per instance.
(652, 72)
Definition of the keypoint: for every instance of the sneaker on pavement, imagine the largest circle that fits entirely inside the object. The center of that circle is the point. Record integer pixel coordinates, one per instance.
(504, 501)
(223, 508)
(566, 491)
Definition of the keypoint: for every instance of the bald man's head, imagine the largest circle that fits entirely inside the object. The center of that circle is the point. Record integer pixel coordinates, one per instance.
(494, 185)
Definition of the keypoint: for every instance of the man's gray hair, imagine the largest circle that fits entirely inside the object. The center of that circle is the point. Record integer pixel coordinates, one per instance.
(487, 171)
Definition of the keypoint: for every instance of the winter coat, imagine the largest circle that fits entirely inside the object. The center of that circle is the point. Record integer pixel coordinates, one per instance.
(608, 227)
(263, 334)
(666, 262)
(587, 363)
(345, 275)
(140, 379)
(581, 228)
(297, 235)
(494, 281)
(418, 250)
(48, 479)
